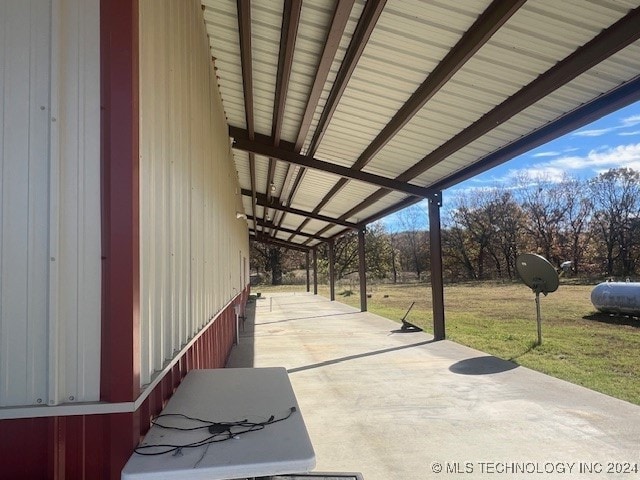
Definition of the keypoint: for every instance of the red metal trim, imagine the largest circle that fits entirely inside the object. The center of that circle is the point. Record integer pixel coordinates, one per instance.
(120, 370)
(98, 446)
(120, 364)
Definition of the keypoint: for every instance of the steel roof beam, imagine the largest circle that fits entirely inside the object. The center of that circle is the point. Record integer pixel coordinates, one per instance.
(494, 17)
(622, 96)
(322, 230)
(618, 36)
(336, 31)
(244, 34)
(277, 243)
(608, 42)
(366, 24)
(338, 24)
(262, 201)
(288, 34)
(263, 223)
(404, 203)
(262, 145)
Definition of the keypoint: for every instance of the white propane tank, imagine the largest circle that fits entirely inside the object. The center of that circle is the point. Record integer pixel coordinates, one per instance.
(617, 297)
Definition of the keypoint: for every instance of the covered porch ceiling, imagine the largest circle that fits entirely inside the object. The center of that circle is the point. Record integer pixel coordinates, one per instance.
(342, 112)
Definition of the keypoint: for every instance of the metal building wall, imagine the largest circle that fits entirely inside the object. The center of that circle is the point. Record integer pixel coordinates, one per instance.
(191, 244)
(95, 439)
(49, 202)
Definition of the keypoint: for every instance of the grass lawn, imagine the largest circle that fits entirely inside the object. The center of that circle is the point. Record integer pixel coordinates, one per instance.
(580, 345)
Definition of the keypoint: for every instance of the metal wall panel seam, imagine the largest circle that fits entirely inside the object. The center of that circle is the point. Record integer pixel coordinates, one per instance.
(38, 216)
(53, 327)
(101, 408)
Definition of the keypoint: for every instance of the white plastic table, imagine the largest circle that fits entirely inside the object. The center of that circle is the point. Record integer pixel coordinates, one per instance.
(226, 395)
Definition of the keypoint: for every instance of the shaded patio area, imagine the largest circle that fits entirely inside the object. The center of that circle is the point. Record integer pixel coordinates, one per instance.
(391, 404)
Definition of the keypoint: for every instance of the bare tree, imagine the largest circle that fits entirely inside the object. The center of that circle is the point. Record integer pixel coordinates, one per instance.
(575, 224)
(616, 195)
(378, 253)
(269, 259)
(412, 238)
(545, 203)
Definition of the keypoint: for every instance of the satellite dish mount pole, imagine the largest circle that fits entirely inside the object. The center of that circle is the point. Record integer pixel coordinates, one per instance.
(540, 276)
(537, 287)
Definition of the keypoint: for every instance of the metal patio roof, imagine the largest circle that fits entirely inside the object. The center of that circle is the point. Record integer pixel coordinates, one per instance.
(342, 112)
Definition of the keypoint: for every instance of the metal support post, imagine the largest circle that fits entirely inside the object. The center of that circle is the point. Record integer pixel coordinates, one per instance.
(362, 270)
(435, 250)
(315, 271)
(332, 261)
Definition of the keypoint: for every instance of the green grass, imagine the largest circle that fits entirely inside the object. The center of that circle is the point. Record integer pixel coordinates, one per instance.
(580, 345)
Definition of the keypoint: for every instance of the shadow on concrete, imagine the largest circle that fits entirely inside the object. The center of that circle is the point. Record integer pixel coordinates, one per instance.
(265, 301)
(243, 352)
(305, 318)
(354, 357)
(482, 366)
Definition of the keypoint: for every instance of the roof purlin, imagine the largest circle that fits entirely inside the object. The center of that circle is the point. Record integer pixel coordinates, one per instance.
(619, 35)
(262, 145)
(290, 20)
(478, 34)
(338, 25)
(609, 41)
(587, 113)
(256, 236)
(244, 34)
(278, 206)
(372, 11)
(289, 230)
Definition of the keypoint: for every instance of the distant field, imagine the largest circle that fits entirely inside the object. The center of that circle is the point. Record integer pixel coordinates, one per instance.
(579, 345)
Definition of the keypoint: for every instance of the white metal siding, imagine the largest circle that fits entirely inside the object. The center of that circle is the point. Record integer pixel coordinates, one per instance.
(49, 202)
(191, 244)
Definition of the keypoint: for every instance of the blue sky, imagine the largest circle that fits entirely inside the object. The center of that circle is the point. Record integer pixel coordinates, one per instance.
(610, 142)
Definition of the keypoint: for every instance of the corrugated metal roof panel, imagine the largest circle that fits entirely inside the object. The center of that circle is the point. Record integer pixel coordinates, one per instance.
(314, 226)
(351, 195)
(387, 201)
(314, 186)
(356, 11)
(241, 160)
(221, 19)
(398, 42)
(262, 170)
(266, 21)
(314, 17)
(335, 230)
(409, 40)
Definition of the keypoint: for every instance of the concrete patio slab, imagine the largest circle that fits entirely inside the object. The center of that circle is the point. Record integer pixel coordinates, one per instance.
(396, 405)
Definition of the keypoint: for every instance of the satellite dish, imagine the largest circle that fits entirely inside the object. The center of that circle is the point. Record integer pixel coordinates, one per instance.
(537, 273)
(540, 276)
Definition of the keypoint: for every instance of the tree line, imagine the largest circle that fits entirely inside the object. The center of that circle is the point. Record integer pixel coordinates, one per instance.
(585, 228)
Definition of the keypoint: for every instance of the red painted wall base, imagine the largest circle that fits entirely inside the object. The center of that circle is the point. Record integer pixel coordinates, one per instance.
(97, 446)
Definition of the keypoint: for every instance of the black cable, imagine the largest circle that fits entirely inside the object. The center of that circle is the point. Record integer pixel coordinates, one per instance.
(220, 432)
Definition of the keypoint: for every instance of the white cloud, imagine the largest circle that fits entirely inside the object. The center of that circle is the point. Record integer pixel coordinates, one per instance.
(628, 134)
(593, 163)
(598, 132)
(630, 121)
(546, 154)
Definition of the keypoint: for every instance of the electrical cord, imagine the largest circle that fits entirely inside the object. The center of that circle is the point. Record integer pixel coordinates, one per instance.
(219, 432)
